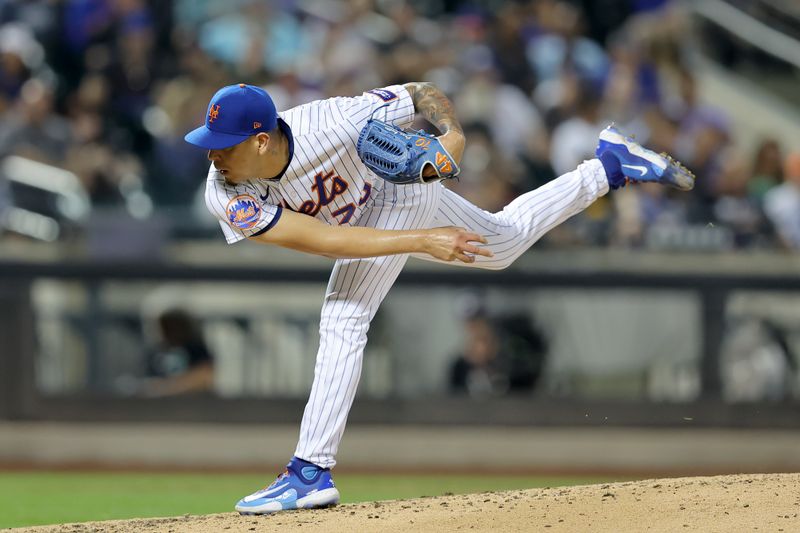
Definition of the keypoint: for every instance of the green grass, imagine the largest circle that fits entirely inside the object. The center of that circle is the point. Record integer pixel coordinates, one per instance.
(35, 498)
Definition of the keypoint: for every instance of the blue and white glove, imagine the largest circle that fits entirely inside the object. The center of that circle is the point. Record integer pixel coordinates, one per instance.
(402, 157)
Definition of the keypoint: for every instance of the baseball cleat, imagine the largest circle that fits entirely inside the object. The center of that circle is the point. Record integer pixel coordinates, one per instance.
(637, 164)
(303, 485)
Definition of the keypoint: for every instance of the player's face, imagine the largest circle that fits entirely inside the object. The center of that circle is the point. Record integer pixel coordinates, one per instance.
(237, 162)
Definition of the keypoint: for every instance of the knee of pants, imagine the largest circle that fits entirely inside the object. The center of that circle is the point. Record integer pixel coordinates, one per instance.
(352, 327)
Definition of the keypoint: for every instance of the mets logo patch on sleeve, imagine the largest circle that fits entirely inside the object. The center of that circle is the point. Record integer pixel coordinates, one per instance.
(383, 94)
(243, 212)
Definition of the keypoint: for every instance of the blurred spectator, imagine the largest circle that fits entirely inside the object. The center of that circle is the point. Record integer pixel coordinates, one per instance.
(131, 73)
(290, 90)
(101, 171)
(349, 58)
(756, 362)
(782, 204)
(704, 133)
(32, 129)
(486, 174)
(632, 89)
(20, 55)
(181, 363)
(86, 32)
(174, 168)
(500, 356)
(90, 156)
(506, 39)
(88, 109)
(767, 170)
(561, 45)
(512, 119)
(734, 207)
(409, 45)
(257, 35)
(575, 139)
(641, 210)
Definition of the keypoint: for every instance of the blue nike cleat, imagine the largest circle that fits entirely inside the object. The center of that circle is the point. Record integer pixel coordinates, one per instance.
(303, 485)
(626, 161)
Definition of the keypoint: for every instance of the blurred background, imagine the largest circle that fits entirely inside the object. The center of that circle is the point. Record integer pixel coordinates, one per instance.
(663, 328)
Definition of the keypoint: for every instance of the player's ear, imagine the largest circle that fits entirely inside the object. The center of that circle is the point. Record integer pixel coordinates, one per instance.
(262, 140)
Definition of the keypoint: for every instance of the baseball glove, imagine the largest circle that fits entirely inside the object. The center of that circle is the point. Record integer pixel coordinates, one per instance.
(402, 156)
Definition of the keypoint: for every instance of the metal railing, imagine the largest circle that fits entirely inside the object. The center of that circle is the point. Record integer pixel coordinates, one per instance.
(20, 398)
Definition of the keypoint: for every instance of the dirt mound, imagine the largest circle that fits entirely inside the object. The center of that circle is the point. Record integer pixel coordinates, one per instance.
(763, 502)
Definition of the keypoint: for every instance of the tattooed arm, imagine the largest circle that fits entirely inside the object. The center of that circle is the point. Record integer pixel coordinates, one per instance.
(431, 103)
(436, 108)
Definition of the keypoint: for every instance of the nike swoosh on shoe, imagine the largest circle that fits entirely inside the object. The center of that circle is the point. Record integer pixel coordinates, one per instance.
(642, 170)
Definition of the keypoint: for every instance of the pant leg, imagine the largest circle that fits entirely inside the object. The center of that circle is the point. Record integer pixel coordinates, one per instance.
(355, 290)
(522, 222)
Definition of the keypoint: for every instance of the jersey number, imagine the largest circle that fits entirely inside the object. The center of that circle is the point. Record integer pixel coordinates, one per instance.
(349, 210)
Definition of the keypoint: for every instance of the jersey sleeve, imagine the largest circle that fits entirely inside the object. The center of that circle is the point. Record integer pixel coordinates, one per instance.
(241, 210)
(391, 104)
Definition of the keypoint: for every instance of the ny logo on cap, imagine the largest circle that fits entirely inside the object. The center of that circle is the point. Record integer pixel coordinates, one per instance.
(213, 113)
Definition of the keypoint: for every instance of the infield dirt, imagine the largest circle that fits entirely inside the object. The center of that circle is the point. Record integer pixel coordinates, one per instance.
(752, 502)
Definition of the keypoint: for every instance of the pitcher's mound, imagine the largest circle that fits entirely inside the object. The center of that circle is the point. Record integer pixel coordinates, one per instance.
(758, 502)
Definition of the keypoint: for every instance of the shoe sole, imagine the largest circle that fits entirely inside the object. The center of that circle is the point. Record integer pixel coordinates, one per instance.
(321, 498)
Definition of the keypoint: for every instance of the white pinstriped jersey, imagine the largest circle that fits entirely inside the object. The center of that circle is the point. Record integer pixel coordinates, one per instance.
(325, 177)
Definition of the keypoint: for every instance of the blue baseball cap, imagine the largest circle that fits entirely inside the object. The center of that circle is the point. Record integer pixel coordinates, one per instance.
(234, 113)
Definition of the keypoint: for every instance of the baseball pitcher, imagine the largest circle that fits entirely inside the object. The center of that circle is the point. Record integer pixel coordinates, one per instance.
(343, 178)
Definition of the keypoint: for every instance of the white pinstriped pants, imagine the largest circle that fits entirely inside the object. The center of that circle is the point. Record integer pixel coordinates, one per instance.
(357, 286)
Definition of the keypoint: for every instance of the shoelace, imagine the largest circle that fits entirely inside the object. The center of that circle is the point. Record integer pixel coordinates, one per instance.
(279, 478)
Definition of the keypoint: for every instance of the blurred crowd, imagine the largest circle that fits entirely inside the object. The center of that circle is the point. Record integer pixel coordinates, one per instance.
(107, 88)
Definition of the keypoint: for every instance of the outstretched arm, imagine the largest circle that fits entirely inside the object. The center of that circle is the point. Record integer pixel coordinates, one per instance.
(436, 108)
(307, 234)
